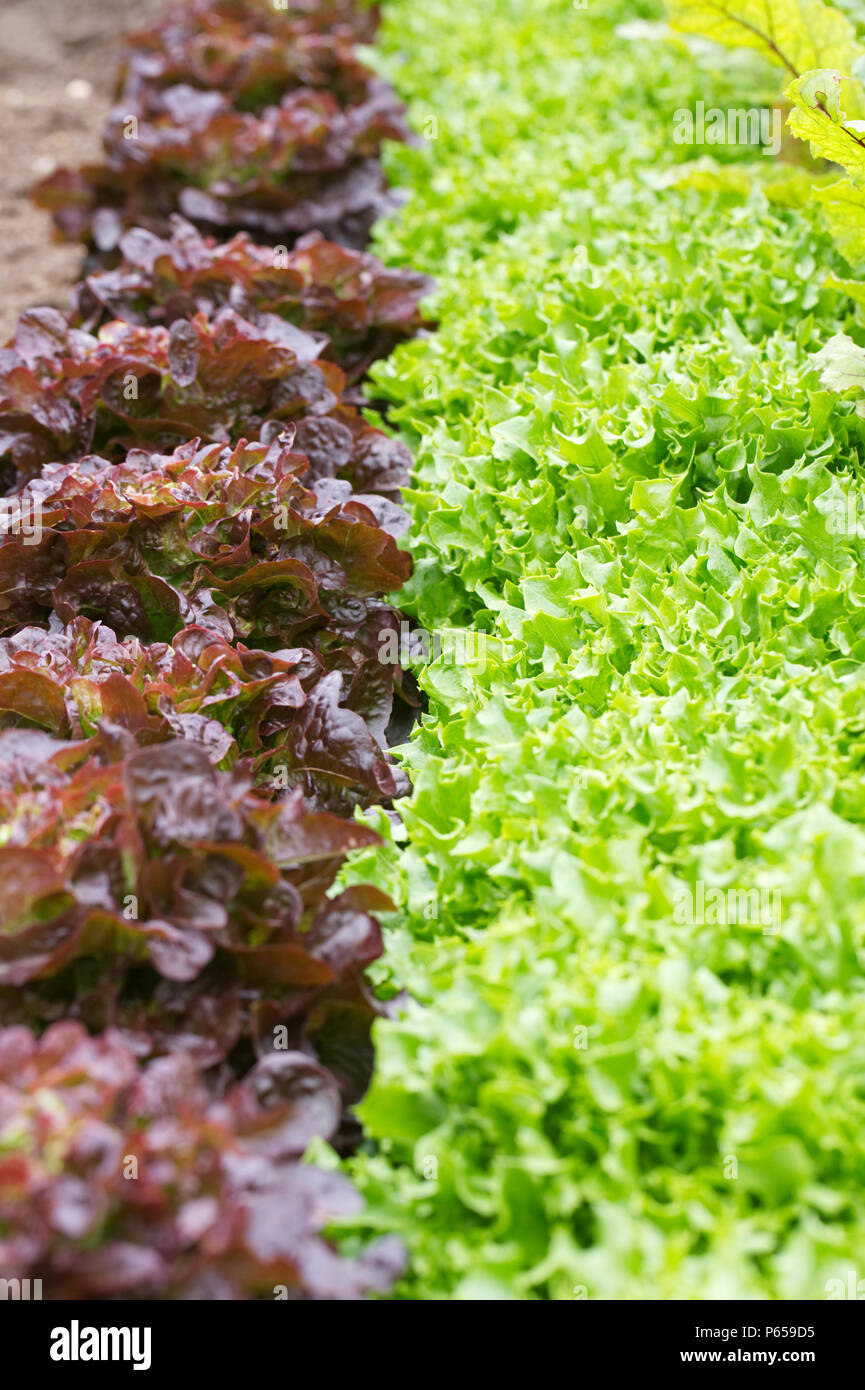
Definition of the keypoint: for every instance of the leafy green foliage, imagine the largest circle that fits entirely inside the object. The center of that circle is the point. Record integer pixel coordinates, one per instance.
(629, 475)
(817, 45)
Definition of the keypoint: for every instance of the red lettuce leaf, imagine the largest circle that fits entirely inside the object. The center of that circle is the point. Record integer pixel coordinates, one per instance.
(360, 309)
(237, 120)
(137, 1181)
(65, 392)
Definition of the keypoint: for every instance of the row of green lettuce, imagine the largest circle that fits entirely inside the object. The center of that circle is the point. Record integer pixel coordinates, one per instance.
(629, 479)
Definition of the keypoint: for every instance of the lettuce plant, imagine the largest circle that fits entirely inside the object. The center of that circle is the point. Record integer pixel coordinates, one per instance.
(237, 121)
(142, 888)
(629, 476)
(191, 554)
(123, 1180)
(348, 298)
(65, 392)
(234, 700)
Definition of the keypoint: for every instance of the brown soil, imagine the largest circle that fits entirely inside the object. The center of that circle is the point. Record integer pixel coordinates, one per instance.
(57, 62)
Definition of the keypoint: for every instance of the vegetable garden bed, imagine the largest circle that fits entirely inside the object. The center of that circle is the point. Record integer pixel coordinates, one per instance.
(564, 999)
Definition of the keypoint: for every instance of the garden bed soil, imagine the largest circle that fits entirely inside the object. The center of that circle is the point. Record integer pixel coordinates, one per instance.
(57, 64)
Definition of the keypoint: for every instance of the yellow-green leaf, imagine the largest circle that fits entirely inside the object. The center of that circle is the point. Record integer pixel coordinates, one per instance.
(798, 35)
(844, 209)
(818, 116)
(854, 288)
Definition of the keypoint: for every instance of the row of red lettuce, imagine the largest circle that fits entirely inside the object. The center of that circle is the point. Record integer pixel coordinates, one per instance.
(200, 532)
